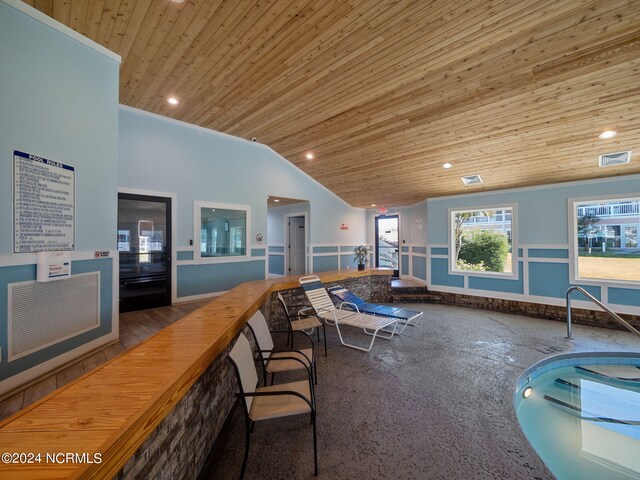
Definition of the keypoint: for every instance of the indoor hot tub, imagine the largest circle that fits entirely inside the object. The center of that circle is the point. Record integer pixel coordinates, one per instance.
(581, 413)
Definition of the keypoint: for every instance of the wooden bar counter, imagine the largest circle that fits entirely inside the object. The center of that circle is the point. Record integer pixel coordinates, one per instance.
(108, 413)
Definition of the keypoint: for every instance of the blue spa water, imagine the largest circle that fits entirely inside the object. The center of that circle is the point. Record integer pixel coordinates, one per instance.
(581, 438)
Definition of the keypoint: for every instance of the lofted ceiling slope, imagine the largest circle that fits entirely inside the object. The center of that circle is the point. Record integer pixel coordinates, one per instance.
(383, 92)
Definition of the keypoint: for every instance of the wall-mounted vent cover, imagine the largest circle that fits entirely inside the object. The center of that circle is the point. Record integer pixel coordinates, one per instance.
(618, 158)
(43, 314)
(472, 180)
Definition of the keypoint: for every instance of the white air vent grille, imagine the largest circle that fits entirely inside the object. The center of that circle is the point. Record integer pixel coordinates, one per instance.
(618, 158)
(42, 314)
(472, 180)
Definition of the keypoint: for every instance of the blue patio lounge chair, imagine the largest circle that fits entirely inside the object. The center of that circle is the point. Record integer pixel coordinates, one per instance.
(324, 308)
(403, 315)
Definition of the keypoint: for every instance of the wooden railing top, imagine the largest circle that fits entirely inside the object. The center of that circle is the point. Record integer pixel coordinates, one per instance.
(111, 410)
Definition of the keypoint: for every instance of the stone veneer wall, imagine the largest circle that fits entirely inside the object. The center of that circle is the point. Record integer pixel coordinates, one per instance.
(178, 448)
(580, 316)
(375, 289)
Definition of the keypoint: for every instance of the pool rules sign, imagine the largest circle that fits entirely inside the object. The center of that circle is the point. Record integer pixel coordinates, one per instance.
(44, 204)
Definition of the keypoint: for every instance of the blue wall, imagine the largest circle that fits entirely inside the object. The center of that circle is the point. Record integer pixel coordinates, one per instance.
(59, 100)
(325, 263)
(542, 211)
(216, 277)
(25, 273)
(197, 164)
(276, 264)
(543, 240)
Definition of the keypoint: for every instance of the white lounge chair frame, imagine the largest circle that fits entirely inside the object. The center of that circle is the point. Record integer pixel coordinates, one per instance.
(324, 308)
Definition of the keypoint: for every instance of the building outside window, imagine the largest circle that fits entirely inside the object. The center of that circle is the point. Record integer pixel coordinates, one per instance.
(481, 240)
(605, 239)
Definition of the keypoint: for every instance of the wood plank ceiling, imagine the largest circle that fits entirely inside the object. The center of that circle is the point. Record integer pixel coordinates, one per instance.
(383, 92)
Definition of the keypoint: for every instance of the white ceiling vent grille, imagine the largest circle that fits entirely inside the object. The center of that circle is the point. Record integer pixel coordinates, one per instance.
(610, 159)
(472, 180)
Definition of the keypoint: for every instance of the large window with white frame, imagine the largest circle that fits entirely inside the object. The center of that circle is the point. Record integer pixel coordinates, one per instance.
(604, 238)
(482, 241)
(221, 230)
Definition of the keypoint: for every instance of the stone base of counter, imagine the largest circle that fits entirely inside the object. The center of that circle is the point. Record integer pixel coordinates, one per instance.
(374, 289)
(178, 448)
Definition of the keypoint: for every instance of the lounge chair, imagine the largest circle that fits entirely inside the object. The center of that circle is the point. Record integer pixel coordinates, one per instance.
(405, 316)
(325, 309)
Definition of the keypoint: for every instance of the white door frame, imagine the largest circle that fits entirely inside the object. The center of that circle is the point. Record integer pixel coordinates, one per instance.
(287, 241)
(174, 226)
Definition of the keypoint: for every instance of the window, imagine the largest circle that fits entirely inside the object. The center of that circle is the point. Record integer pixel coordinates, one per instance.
(482, 241)
(604, 236)
(222, 230)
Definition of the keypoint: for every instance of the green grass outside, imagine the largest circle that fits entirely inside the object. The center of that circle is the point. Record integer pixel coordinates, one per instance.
(608, 254)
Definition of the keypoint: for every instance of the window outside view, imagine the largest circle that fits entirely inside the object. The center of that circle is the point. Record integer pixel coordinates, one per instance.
(388, 242)
(607, 239)
(482, 240)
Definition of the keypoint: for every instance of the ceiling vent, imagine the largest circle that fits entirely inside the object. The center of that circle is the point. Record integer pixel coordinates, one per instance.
(618, 158)
(472, 180)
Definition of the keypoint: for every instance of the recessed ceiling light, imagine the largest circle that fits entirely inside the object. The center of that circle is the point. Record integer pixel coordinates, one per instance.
(309, 156)
(607, 134)
(177, 1)
(173, 101)
(373, 204)
(276, 200)
(447, 165)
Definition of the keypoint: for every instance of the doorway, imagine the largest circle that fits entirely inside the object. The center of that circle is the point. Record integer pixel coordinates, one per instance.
(144, 249)
(387, 241)
(296, 246)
